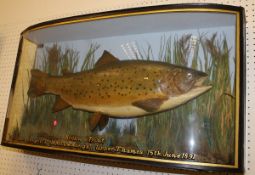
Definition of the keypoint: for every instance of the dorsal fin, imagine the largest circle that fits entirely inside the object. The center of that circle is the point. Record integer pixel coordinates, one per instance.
(106, 58)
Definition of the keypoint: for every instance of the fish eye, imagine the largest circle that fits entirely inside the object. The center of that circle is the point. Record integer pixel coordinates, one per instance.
(189, 76)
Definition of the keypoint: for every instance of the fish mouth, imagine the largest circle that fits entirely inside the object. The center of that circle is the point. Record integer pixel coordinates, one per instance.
(200, 81)
(200, 84)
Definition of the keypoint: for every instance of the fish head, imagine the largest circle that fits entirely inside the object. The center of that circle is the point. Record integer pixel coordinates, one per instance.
(182, 80)
(183, 85)
(186, 79)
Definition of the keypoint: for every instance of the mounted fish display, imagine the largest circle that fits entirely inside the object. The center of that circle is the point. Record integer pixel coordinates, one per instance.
(121, 89)
(162, 94)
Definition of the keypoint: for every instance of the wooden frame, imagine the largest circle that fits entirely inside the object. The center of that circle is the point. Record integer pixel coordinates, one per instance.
(96, 147)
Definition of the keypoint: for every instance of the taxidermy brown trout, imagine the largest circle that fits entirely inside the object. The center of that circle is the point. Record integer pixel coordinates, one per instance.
(122, 89)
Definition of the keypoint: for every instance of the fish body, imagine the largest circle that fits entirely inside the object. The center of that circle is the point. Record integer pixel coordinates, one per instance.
(129, 88)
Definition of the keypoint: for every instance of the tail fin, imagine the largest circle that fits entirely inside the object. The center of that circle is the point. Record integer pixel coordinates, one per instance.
(37, 83)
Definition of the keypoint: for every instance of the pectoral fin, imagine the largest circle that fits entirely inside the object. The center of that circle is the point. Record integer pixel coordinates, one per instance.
(150, 105)
(59, 105)
(98, 120)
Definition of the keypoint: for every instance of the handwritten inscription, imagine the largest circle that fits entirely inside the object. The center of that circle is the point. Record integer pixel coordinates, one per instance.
(96, 144)
(156, 153)
(99, 140)
(73, 138)
(119, 149)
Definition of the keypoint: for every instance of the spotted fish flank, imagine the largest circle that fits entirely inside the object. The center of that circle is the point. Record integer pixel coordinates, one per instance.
(114, 88)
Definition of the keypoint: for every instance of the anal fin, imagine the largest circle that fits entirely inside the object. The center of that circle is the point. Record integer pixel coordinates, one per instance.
(150, 105)
(59, 105)
(103, 122)
(98, 120)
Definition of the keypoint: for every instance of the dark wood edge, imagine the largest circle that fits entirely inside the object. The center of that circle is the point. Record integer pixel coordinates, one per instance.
(120, 162)
(242, 97)
(137, 9)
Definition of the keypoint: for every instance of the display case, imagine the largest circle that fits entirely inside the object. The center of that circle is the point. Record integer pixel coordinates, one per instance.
(160, 86)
